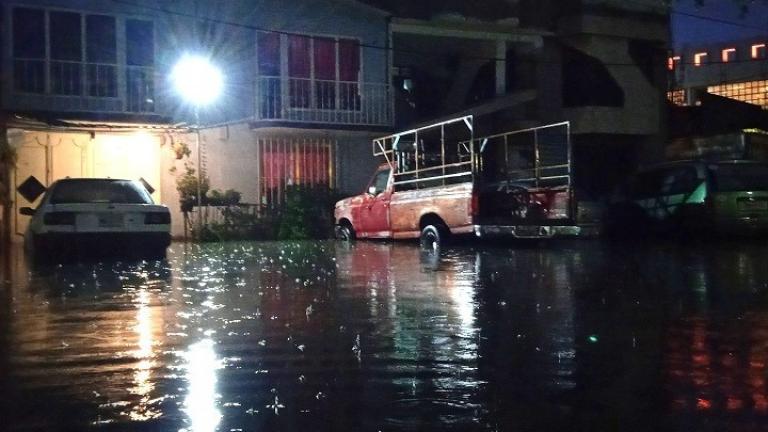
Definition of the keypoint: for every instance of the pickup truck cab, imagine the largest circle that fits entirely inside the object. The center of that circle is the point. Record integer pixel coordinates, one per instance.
(424, 191)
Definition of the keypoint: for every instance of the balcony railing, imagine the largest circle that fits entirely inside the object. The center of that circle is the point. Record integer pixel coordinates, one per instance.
(79, 86)
(304, 100)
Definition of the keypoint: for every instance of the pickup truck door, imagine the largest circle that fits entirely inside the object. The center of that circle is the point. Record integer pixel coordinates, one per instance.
(374, 211)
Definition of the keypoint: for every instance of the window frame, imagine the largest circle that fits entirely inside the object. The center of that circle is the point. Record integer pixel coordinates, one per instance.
(285, 78)
(120, 64)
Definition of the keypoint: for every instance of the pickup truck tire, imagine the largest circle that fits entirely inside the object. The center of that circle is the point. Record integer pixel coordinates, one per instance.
(433, 236)
(345, 233)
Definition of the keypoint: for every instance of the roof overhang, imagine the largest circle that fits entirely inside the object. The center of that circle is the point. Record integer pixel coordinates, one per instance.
(504, 30)
(75, 125)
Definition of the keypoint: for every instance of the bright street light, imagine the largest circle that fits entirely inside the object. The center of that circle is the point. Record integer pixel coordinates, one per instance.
(198, 82)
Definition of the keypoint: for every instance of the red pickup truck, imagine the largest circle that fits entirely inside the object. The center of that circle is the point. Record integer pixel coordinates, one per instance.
(439, 181)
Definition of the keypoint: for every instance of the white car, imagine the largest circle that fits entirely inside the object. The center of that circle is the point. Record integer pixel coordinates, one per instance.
(106, 216)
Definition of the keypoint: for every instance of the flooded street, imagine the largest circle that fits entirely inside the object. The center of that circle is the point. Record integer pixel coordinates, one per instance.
(585, 336)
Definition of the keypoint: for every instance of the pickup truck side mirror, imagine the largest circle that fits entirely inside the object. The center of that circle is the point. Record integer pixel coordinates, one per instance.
(372, 190)
(27, 211)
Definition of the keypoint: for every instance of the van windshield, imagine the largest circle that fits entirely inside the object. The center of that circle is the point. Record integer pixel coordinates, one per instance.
(99, 191)
(740, 177)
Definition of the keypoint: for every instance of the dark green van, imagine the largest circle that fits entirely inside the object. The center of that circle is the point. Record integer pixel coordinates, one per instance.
(693, 197)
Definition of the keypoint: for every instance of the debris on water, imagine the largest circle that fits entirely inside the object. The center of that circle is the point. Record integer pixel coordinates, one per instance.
(302, 379)
(593, 338)
(320, 396)
(308, 311)
(262, 342)
(251, 411)
(301, 347)
(356, 348)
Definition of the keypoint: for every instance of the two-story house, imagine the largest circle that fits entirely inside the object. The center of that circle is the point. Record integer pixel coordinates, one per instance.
(88, 91)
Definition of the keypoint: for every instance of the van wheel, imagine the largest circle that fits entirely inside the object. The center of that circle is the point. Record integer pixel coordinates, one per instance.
(345, 233)
(432, 237)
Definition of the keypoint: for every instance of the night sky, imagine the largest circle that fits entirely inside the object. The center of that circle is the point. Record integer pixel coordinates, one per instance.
(688, 30)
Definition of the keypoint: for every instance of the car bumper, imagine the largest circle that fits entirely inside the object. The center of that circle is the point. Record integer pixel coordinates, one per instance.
(527, 231)
(104, 243)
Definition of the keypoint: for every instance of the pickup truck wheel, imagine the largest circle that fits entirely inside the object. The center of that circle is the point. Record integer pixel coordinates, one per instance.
(432, 237)
(345, 233)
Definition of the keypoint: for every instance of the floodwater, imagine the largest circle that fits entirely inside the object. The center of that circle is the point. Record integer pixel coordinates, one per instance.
(583, 336)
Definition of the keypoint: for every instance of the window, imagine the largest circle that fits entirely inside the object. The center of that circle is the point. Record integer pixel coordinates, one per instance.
(140, 57)
(270, 98)
(758, 51)
(323, 72)
(66, 53)
(380, 180)
(79, 60)
(101, 55)
(299, 70)
(728, 55)
(699, 59)
(672, 62)
(139, 39)
(29, 50)
(754, 92)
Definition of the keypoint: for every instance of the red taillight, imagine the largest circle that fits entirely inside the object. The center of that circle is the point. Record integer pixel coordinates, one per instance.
(157, 218)
(59, 218)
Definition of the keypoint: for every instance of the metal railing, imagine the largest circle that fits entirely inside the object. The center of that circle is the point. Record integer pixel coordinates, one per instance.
(85, 86)
(423, 157)
(534, 157)
(322, 101)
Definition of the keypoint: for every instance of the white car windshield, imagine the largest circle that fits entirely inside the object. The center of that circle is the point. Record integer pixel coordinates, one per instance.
(99, 191)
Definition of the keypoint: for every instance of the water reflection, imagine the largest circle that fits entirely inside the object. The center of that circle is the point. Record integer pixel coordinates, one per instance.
(144, 385)
(373, 336)
(200, 403)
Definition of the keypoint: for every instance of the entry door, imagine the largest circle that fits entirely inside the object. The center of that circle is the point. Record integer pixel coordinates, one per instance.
(374, 213)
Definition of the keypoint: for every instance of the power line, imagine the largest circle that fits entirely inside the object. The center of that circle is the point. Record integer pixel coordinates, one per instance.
(425, 53)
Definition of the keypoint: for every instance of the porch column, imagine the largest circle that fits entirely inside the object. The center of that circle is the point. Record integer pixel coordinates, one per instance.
(501, 67)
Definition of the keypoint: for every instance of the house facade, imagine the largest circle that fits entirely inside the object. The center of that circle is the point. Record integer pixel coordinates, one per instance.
(88, 86)
(89, 91)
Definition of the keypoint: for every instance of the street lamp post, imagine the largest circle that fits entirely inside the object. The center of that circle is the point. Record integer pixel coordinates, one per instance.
(198, 82)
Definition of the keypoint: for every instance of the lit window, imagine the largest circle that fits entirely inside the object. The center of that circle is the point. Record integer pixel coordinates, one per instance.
(699, 58)
(729, 54)
(672, 62)
(758, 51)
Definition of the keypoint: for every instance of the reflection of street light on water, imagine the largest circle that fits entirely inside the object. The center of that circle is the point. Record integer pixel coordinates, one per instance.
(198, 82)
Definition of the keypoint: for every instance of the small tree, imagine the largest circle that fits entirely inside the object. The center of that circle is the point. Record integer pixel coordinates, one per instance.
(187, 181)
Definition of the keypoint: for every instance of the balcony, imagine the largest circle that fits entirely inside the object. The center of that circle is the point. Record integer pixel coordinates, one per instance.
(83, 87)
(309, 101)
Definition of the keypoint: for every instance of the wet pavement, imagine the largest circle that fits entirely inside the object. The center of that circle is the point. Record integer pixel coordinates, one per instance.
(582, 336)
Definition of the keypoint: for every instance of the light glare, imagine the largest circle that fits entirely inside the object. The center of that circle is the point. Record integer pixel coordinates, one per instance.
(197, 80)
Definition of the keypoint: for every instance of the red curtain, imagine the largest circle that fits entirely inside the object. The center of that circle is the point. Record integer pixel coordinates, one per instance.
(349, 60)
(325, 59)
(298, 56)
